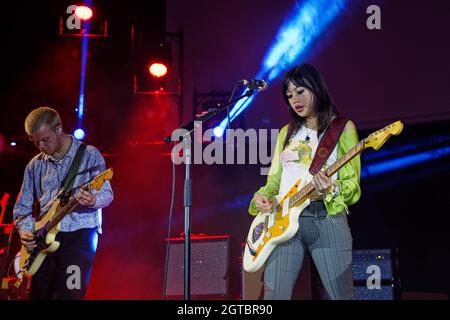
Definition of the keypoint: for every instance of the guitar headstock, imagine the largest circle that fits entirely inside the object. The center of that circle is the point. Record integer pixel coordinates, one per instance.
(378, 138)
(100, 179)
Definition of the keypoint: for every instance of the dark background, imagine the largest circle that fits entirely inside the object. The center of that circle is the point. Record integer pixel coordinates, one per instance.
(376, 77)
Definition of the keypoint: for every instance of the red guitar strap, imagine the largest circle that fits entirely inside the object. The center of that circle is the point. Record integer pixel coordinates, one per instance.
(327, 144)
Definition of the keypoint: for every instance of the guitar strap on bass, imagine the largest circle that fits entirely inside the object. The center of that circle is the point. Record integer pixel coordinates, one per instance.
(70, 177)
(327, 144)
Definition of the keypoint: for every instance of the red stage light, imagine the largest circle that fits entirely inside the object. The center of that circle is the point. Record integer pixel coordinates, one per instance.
(83, 12)
(158, 70)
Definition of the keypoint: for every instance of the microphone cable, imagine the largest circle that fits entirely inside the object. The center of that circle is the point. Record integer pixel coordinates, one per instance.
(166, 264)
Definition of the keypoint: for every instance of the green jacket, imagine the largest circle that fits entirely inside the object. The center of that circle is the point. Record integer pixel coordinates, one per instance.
(348, 176)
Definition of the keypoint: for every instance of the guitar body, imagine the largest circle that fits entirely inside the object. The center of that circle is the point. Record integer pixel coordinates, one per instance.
(38, 260)
(49, 245)
(270, 229)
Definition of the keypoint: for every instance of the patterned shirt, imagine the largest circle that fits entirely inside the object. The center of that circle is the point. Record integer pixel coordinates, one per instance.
(43, 179)
(297, 157)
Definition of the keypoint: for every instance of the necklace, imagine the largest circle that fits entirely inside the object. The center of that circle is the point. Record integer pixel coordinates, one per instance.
(307, 135)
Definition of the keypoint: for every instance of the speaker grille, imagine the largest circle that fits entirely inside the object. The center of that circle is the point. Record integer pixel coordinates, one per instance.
(209, 268)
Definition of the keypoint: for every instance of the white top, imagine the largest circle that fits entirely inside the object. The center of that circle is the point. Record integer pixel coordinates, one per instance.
(298, 156)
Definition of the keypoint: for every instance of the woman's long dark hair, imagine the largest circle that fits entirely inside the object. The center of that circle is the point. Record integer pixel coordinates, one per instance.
(307, 76)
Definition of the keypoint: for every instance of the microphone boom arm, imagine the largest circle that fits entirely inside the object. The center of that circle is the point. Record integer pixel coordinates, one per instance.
(189, 126)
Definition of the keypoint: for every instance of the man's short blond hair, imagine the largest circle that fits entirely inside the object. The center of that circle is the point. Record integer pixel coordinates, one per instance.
(42, 116)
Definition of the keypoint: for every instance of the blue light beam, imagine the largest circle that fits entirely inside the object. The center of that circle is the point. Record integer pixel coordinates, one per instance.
(84, 49)
(403, 162)
(306, 23)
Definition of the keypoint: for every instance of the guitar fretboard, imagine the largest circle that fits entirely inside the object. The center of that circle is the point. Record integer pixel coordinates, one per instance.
(63, 211)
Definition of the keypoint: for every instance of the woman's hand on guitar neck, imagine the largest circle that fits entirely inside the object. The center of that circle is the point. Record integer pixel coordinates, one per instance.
(27, 239)
(263, 203)
(322, 183)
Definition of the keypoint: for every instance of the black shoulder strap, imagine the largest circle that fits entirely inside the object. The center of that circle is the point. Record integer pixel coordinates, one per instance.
(69, 180)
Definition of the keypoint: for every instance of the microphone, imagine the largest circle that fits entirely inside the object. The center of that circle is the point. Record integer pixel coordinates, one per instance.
(254, 84)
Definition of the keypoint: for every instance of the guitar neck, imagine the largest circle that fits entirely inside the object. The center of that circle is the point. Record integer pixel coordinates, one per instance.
(61, 213)
(309, 188)
(72, 203)
(345, 159)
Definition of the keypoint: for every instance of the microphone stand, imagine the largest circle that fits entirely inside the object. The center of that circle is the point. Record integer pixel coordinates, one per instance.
(187, 202)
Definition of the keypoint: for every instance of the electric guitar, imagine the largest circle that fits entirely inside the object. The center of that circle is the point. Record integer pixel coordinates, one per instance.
(48, 227)
(279, 225)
